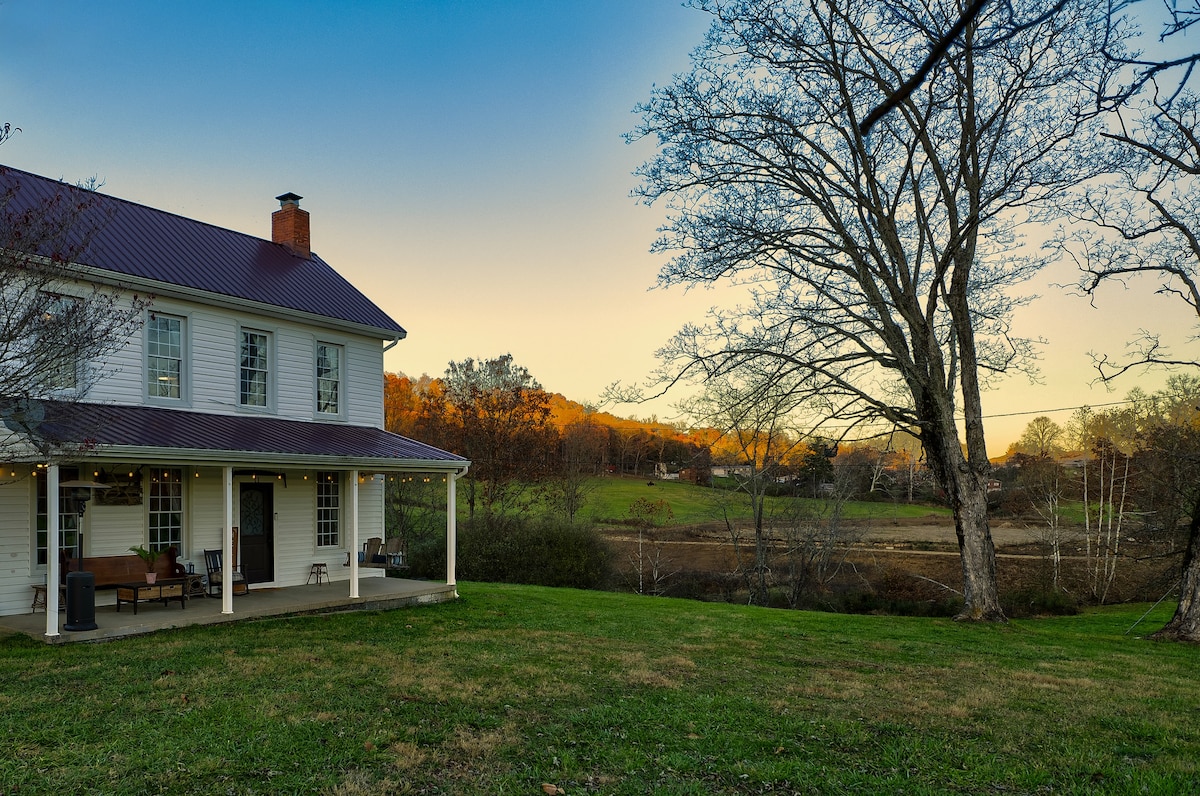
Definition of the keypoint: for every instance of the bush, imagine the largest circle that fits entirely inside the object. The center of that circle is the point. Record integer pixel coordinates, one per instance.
(426, 559)
(1035, 602)
(544, 551)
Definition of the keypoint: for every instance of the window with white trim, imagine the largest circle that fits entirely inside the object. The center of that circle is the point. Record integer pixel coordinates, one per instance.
(57, 341)
(255, 368)
(329, 378)
(164, 356)
(165, 504)
(329, 509)
(68, 520)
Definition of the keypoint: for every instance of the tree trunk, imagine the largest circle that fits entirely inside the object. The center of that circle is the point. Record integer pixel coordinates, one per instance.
(981, 594)
(967, 492)
(1185, 624)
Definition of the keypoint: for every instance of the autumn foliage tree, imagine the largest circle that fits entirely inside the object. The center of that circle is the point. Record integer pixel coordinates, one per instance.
(497, 415)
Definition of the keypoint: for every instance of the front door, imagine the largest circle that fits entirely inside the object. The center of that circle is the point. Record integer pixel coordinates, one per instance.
(257, 538)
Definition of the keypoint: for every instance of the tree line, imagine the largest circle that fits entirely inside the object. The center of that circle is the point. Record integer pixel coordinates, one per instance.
(525, 442)
(1117, 485)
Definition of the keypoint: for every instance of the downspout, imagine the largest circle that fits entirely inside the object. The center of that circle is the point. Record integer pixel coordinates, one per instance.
(392, 344)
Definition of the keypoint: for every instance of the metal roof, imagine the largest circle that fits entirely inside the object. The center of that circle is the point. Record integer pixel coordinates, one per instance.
(133, 240)
(149, 432)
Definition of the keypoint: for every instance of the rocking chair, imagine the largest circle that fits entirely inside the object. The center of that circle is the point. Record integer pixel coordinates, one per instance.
(216, 573)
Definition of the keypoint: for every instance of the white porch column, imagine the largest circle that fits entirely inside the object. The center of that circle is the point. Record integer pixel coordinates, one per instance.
(227, 563)
(452, 529)
(52, 547)
(354, 535)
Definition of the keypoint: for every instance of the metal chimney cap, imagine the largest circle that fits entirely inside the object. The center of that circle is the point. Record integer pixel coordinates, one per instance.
(289, 199)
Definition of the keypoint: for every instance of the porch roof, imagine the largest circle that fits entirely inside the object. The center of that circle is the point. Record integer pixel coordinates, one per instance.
(151, 433)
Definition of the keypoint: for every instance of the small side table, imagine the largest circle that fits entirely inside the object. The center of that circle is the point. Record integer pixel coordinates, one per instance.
(39, 598)
(320, 570)
(194, 586)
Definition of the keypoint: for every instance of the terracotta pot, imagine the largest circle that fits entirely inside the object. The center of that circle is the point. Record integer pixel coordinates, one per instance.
(151, 577)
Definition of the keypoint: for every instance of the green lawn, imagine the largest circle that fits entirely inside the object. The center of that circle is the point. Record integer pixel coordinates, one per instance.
(512, 687)
(692, 504)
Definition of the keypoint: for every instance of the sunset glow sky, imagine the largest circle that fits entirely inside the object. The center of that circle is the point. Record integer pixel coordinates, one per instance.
(462, 162)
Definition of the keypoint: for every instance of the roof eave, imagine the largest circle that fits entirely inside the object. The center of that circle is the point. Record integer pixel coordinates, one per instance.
(129, 453)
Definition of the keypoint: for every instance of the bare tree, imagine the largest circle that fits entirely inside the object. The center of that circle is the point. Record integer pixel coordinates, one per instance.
(582, 450)
(1045, 485)
(1140, 69)
(879, 268)
(816, 539)
(652, 567)
(57, 324)
(753, 411)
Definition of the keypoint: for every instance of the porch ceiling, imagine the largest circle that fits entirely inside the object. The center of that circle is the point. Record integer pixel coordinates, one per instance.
(151, 433)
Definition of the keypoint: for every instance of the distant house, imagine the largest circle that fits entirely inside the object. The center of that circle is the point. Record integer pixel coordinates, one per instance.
(251, 396)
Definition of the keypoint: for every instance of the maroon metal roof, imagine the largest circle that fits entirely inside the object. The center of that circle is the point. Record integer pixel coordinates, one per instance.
(104, 425)
(138, 241)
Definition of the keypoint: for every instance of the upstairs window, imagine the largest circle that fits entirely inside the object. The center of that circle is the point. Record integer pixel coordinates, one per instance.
(255, 368)
(164, 357)
(329, 379)
(57, 342)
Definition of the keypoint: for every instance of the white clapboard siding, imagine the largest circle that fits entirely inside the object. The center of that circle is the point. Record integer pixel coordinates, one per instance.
(16, 544)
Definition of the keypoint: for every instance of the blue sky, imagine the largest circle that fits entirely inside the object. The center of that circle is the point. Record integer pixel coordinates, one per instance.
(462, 161)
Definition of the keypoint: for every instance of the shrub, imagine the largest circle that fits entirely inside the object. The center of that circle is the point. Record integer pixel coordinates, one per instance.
(426, 559)
(1036, 602)
(545, 551)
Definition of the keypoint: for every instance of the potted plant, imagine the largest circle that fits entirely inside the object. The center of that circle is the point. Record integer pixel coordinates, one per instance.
(148, 558)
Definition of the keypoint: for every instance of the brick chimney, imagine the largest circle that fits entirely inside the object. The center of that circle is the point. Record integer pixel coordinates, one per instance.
(289, 225)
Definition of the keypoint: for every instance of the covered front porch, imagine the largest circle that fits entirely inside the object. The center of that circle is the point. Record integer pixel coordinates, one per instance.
(374, 594)
(301, 493)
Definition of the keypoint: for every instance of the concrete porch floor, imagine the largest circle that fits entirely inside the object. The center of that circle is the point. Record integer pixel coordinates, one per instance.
(374, 594)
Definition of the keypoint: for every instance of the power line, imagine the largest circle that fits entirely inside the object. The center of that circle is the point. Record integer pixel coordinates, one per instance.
(1062, 409)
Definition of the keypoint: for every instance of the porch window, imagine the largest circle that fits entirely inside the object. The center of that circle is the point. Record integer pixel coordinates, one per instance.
(329, 378)
(68, 520)
(329, 509)
(255, 368)
(164, 356)
(165, 503)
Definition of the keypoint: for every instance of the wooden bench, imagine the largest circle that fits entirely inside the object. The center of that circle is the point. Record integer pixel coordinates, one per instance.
(111, 571)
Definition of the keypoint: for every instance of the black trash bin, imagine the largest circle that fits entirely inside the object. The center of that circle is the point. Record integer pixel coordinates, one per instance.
(81, 601)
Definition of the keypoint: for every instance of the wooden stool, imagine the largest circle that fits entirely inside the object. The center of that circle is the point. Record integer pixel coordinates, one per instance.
(320, 570)
(39, 598)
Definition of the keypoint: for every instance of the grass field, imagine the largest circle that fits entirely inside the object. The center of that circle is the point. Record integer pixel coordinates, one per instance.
(693, 505)
(515, 687)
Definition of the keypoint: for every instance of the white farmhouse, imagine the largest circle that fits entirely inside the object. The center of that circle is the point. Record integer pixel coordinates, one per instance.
(250, 397)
